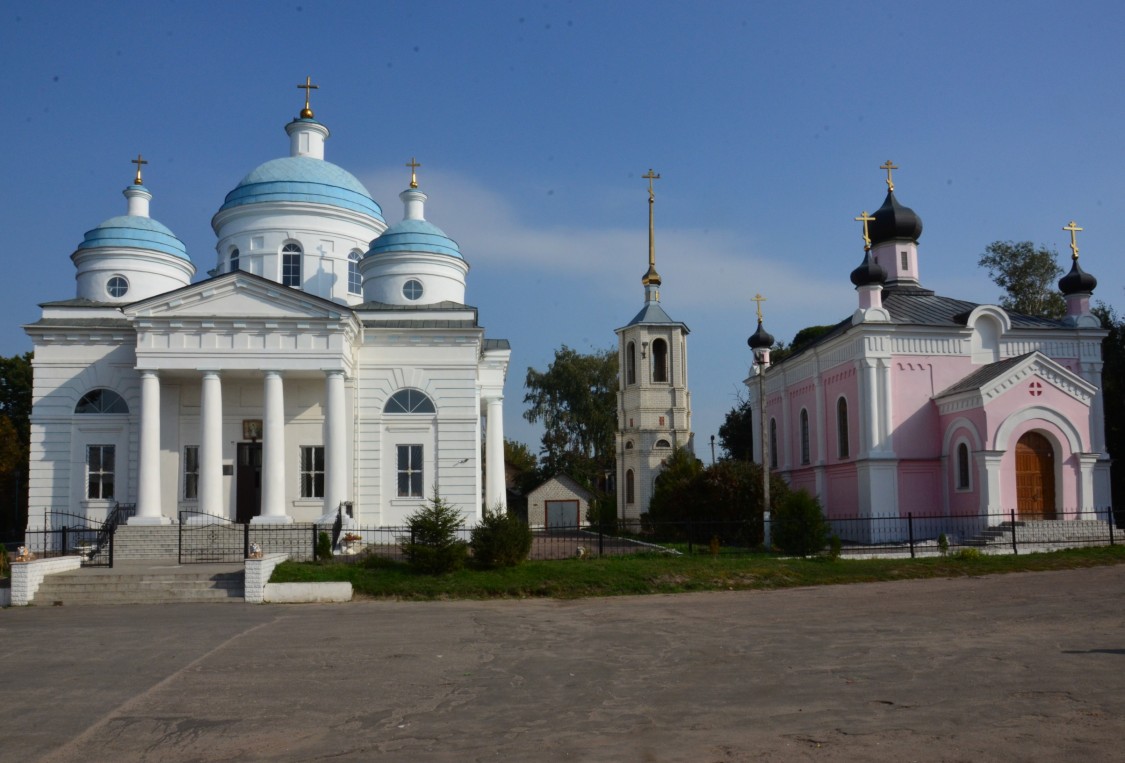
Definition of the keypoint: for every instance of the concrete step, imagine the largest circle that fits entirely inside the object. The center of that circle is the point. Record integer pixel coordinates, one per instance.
(143, 582)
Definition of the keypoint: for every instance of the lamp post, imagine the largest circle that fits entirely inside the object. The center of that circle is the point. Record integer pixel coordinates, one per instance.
(760, 342)
(712, 450)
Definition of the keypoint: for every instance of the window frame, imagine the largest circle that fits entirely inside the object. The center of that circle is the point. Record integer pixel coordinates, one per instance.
(234, 261)
(630, 489)
(843, 443)
(661, 373)
(310, 471)
(631, 363)
(119, 281)
(190, 489)
(101, 401)
(963, 477)
(292, 264)
(417, 289)
(806, 444)
(103, 475)
(412, 469)
(355, 278)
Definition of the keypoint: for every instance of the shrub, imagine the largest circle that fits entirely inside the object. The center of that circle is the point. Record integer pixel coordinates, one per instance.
(323, 546)
(968, 553)
(433, 547)
(943, 544)
(500, 540)
(798, 525)
(3, 561)
(835, 546)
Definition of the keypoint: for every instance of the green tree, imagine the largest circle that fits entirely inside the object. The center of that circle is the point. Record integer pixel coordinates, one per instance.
(1028, 275)
(736, 433)
(1113, 397)
(433, 547)
(576, 401)
(522, 465)
(15, 440)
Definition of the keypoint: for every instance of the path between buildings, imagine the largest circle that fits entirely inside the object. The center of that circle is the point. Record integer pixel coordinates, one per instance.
(1027, 666)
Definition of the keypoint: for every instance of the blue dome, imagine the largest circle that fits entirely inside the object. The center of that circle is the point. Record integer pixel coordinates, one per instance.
(137, 233)
(302, 178)
(414, 236)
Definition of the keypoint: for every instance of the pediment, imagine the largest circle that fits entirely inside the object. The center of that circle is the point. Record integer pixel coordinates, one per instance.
(237, 296)
(1034, 374)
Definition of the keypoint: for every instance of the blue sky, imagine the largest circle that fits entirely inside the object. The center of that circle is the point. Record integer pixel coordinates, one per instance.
(535, 121)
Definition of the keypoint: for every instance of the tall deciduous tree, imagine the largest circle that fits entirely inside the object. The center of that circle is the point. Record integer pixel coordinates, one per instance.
(15, 439)
(576, 401)
(736, 433)
(1028, 275)
(1113, 396)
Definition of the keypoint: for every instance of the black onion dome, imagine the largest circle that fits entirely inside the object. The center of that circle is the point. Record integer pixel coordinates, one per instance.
(760, 339)
(894, 222)
(1077, 281)
(869, 272)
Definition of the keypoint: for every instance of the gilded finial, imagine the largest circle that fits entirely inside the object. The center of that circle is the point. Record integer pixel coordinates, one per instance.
(651, 277)
(759, 299)
(413, 165)
(888, 166)
(139, 161)
(1073, 228)
(308, 87)
(865, 219)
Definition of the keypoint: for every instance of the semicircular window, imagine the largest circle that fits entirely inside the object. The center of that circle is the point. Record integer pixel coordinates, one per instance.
(101, 401)
(409, 401)
(663, 444)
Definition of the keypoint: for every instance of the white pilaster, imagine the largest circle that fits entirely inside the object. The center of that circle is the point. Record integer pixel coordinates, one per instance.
(495, 494)
(886, 443)
(988, 474)
(148, 477)
(335, 443)
(1086, 497)
(273, 452)
(211, 445)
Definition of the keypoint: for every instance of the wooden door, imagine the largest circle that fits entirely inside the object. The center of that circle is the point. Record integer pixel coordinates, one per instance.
(248, 481)
(1035, 477)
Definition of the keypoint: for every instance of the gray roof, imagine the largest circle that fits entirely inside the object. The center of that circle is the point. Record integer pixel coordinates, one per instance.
(446, 305)
(82, 323)
(423, 324)
(496, 344)
(652, 312)
(80, 303)
(983, 375)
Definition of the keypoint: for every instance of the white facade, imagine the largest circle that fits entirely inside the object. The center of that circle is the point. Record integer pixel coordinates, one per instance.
(272, 391)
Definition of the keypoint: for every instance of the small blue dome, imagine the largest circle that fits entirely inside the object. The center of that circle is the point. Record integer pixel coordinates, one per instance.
(137, 233)
(414, 236)
(302, 178)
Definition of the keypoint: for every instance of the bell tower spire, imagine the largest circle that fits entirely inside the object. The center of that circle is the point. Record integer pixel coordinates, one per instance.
(651, 279)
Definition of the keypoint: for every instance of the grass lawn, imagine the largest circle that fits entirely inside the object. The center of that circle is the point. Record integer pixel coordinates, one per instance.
(661, 573)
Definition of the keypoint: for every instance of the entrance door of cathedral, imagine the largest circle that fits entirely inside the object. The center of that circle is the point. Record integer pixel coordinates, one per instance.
(248, 481)
(1035, 477)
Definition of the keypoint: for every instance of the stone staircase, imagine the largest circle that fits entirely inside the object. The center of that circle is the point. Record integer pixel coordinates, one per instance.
(1046, 534)
(146, 542)
(143, 581)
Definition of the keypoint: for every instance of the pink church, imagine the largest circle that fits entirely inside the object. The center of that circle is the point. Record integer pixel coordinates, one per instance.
(934, 406)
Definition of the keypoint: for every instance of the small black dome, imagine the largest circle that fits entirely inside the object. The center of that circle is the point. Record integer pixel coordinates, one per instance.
(1077, 281)
(894, 222)
(760, 339)
(869, 272)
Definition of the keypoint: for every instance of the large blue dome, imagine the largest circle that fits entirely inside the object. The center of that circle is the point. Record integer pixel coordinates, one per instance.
(303, 178)
(415, 236)
(135, 232)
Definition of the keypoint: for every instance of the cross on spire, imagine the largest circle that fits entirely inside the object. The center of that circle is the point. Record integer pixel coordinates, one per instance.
(413, 164)
(308, 87)
(759, 299)
(651, 277)
(888, 166)
(650, 177)
(865, 219)
(1073, 228)
(139, 161)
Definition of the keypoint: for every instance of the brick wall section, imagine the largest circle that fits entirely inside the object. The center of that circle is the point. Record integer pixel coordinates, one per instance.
(258, 573)
(26, 576)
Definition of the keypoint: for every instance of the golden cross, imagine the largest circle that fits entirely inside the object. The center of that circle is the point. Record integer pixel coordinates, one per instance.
(413, 165)
(1073, 228)
(888, 167)
(308, 87)
(138, 161)
(650, 177)
(759, 299)
(865, 219)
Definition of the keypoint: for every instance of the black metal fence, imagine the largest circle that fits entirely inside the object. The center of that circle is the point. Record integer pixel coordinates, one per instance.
(65, 534)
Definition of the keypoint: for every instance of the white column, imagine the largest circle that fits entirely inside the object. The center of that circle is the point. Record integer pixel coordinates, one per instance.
(870, 418)
(1086, 504)
(495, 493)
(886, 430)
(273, 453)
(211, 445)
(148, 476)
(335, 443)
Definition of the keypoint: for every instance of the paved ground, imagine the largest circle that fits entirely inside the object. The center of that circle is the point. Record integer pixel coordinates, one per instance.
(1008, 668)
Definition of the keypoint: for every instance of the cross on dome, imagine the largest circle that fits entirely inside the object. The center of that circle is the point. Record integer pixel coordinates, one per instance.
(759, 299)
(865, 219)
(413, 164)
(888, 166)
(1073, 228)
(139, 161)
(308, 87)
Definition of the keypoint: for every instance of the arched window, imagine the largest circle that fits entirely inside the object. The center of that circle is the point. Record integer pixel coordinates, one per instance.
(629, 445)
(409, 401)
(355, 280)
(773, 443)
(963, 482)
(630, 497)
(659, 360)
(842, 428)
(291, 265)
(117, 286)
(233, 265)
(412, 289)
(631, 363)
(804, 436)
(663, 444)
(101, 401)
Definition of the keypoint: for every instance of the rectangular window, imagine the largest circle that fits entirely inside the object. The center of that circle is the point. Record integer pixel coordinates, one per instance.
(905, 261)
(191, 472)
(410, 471)
(312, 471)
(99, 471)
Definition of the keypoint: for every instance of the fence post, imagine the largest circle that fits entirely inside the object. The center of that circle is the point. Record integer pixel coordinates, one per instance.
(62, 550)
(601, 537)
(910, 530)
(246, 541)
(314, 540)
(1015, 548)
(112, 532)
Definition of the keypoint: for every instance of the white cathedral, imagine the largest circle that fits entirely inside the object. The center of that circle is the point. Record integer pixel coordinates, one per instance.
(328, 360)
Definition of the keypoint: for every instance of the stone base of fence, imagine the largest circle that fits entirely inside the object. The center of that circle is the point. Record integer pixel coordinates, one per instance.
(258, 573)
(26, 576)
(305, 593)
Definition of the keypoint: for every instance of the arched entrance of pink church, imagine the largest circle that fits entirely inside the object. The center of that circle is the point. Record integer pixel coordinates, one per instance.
(1035, 477)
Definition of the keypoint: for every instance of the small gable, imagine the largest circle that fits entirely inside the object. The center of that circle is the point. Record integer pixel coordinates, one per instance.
(237, 295)
(1033, 373)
